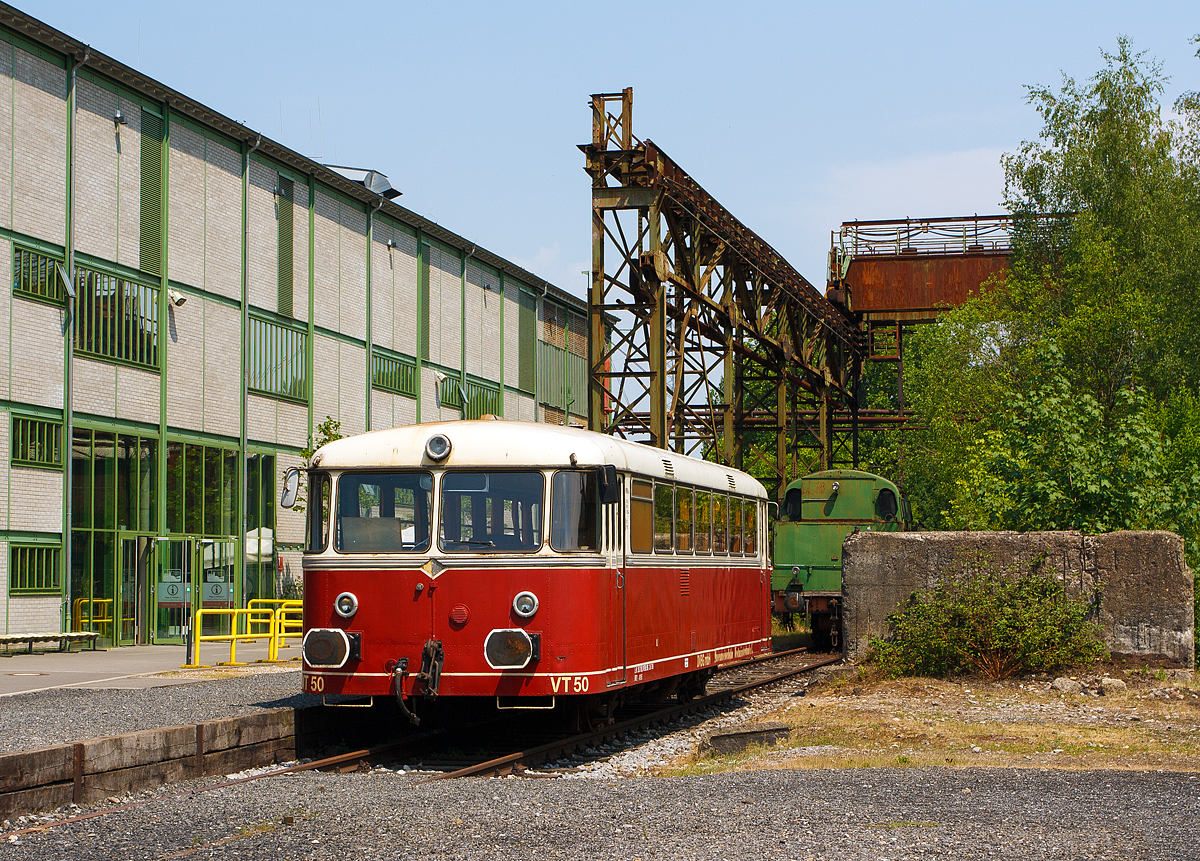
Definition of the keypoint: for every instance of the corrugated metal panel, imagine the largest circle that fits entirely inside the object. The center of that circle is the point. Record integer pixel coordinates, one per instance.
(527, 339)
(562, 379)
(150, 239)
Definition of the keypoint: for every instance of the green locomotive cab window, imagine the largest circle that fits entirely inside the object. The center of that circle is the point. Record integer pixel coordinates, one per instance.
(664, 510)
(703, 522)
(885, 505)
(383, 512)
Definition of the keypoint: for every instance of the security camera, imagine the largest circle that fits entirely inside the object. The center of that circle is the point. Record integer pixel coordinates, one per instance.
(176, 298)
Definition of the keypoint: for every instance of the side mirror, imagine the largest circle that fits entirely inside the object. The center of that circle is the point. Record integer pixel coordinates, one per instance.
(610, 487)
(291, 487)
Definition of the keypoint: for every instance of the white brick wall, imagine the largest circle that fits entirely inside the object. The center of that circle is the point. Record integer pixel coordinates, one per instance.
(482, 322)
(261, 419)
(383, 265)
(3, 569)
(222, 385)
(5, 479)
(137, 393)
(326, 262)
(97, 170)
(27, 613)
(129, 210)
(404, 293)
(223, 219)
(445, 308)
(291, 424)
(185, 364)
(35, 499)
(37, 372)
(94, 387)
(6, 303)
(353, 298)
(39, 148)
(186, 206)
(263, 230)
(7, 73)
(340, 387)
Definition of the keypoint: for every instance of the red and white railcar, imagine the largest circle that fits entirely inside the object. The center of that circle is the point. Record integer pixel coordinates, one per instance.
(537, 565)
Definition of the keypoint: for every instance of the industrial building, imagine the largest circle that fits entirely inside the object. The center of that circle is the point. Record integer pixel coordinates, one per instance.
(189, 301)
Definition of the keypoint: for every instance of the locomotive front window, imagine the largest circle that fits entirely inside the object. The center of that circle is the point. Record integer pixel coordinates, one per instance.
(383, 512)
(574, 511)
(492, 512)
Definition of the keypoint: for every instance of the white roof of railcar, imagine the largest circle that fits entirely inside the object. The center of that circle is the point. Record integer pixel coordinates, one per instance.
(507, 444)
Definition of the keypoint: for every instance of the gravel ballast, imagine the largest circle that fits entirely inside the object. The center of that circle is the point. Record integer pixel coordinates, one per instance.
(834, 814)
(68, 715)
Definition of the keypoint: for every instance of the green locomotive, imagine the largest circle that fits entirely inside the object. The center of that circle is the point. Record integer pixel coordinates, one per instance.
(818, 512)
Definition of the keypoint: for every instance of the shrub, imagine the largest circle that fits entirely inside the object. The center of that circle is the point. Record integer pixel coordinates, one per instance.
(991, 624)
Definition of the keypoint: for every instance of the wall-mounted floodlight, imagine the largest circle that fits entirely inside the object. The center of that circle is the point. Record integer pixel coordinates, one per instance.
(119, 119)
(374, 181)
(176, 298)
(391, 243)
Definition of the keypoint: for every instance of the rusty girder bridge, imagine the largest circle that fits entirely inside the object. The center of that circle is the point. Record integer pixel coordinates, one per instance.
(703, 339)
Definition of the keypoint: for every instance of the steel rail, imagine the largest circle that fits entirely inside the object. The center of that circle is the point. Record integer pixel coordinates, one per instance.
(505, 764)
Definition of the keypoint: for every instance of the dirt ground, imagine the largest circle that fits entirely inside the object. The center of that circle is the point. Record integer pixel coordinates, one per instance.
(850, 718)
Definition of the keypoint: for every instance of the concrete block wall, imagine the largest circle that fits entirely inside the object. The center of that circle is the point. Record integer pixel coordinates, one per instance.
(1146, 598)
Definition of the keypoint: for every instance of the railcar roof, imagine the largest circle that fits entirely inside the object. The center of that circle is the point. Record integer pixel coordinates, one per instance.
(508, 444)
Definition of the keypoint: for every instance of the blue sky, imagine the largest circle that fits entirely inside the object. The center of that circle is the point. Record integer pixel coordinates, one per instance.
(796, 116)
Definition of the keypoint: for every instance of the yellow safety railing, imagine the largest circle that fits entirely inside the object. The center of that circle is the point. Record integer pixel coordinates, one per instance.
(98, 618)
(283, 620)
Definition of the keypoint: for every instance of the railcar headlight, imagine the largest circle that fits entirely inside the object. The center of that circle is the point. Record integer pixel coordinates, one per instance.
(511, 648)
(346, 605)
(525, 605)
(437, 447)
(326, 647)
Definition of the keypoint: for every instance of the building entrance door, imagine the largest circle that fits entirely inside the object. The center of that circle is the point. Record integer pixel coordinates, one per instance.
(218, 582)
(172, 594)
(136, 563)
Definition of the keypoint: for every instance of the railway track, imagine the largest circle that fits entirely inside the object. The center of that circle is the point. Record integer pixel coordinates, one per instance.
(435, 750)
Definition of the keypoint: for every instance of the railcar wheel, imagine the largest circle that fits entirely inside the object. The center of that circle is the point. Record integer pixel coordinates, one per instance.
(595, 712)
(693, 686)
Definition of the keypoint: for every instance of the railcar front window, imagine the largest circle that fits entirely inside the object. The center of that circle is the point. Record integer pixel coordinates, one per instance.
(574, 512)
(492, 512)
(318, 513)
(383, 512)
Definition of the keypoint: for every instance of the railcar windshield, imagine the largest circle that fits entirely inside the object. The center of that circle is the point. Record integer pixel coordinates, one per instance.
(383, 512)
(491, 512)
(575, 512)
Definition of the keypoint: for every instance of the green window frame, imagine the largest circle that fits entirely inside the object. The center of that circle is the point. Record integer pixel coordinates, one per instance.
(34, 569)
(36, 442)
(150, 237)
(116, 318)
(35, 275)
(395, 373)
(277, 360)
(482, 397)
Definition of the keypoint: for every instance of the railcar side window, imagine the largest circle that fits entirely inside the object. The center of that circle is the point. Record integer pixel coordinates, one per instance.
(703, 522)
(383, 512)
(664, 509)
(318, 513)
(641, 516)
(574, 511)
(735, 525)
(751, 539)
(492, 512)
(683, 520)
(720, 523)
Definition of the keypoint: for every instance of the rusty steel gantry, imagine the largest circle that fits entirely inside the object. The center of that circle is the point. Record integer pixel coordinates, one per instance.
(702, 338)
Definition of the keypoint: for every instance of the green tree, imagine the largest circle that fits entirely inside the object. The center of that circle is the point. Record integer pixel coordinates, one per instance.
(324, 433)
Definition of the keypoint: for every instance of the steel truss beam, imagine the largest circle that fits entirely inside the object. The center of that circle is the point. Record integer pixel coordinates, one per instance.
(720, 348)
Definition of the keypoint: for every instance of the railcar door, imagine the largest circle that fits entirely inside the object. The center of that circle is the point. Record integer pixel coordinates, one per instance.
(612, 519)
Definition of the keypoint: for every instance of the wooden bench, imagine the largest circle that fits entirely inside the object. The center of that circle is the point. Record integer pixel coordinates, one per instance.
(65, 639)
